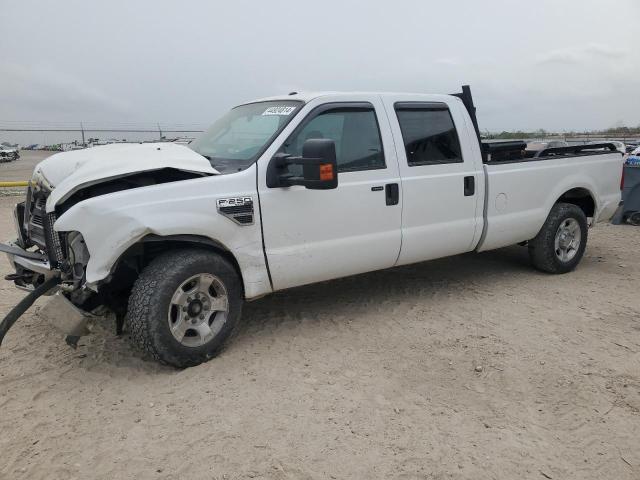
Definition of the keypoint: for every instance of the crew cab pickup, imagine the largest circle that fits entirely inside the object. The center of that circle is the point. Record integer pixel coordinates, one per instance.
(286, 191)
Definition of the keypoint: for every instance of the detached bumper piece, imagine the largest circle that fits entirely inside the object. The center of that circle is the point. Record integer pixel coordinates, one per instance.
(65, 316)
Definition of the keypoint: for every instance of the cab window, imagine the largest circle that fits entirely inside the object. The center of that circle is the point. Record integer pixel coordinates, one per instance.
(353, 129)
(429, 134)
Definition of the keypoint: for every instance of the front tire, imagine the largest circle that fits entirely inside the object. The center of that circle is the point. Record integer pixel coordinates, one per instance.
(184, 306)
(560, 244)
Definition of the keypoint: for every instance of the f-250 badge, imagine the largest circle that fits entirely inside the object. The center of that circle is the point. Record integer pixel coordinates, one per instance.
(238, 209)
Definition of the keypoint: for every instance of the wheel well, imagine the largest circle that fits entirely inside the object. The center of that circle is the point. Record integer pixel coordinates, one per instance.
(581, 197)
(140, 254)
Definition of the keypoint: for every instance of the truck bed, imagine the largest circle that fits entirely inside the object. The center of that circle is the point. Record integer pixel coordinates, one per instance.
(515, 151)
(519, 192)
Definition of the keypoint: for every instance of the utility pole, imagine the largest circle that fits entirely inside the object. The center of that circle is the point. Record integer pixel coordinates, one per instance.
(82, 130)
(160, 130)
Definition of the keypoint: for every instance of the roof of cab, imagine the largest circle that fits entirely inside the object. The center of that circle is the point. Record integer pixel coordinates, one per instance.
(300, 96)
(308, 96)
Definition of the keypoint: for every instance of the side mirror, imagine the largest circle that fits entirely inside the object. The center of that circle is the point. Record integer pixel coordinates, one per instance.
(319, 166)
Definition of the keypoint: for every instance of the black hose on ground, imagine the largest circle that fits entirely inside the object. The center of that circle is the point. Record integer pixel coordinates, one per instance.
(24, 304)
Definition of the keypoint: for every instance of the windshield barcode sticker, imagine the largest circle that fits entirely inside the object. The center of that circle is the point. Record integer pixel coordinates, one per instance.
(283, 110)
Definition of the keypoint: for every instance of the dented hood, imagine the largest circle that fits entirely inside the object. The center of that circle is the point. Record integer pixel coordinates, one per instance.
(67, 172)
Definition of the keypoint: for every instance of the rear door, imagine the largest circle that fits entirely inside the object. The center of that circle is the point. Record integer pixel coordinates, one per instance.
(316, 235)
(441, 183)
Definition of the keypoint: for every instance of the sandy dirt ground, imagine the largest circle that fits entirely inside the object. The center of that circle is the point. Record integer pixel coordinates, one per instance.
(367, 377)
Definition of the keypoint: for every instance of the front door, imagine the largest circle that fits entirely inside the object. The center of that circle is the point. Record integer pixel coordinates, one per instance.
(316, 235)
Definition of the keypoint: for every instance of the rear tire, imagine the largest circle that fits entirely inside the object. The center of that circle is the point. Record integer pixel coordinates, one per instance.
(561, 242)
(184, 306)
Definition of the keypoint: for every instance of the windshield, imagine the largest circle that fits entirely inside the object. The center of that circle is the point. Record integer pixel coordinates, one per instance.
(237, 139)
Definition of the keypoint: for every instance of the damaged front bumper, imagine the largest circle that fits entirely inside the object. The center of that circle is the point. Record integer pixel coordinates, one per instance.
(24, 261)
(45, 264)
(32, 270)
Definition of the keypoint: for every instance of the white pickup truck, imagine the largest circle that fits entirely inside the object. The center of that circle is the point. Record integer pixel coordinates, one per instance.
(288, 191)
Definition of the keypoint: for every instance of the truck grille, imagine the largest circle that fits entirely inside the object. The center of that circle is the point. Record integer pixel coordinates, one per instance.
(38, 227)
(54, 243)
(37, 220)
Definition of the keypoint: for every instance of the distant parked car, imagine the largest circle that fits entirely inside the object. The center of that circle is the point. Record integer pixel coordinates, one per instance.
(53, 148)
(630, 147)
(8, 154)
(633, 158)
(535, 147)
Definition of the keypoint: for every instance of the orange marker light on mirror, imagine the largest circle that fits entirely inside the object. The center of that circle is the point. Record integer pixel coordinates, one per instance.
(326, 171)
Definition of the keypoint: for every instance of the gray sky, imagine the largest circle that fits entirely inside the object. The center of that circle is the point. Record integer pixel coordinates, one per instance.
(553, 64)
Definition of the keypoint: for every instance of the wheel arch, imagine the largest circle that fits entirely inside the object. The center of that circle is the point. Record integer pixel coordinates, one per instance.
(582, 197)
(139, 255)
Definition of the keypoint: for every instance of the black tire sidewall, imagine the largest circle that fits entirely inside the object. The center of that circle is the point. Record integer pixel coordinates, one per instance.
(546, 238)
(175, 270)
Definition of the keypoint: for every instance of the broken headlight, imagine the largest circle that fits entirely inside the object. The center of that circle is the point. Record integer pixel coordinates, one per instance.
(18, 218)
(77, 255)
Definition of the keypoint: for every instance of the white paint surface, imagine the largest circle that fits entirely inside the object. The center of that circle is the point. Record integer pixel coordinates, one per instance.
(316, 235)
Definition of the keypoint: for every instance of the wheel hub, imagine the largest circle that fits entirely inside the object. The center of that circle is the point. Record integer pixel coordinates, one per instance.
(194, 308)
(198, 310)
(568, 238)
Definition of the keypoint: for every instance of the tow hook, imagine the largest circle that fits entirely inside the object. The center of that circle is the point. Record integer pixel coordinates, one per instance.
(24, 304)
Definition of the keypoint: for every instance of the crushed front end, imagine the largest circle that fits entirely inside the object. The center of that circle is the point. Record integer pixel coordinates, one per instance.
(37, 252)
(41, 256)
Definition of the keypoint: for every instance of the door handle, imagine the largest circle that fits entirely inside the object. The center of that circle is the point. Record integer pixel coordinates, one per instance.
(392, 193)
(469, 186)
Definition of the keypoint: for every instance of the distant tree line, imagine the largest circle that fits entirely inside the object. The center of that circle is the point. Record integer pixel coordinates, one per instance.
(618, 131)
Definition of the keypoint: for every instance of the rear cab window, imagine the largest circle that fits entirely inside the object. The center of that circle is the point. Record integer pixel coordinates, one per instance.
(428, 133)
